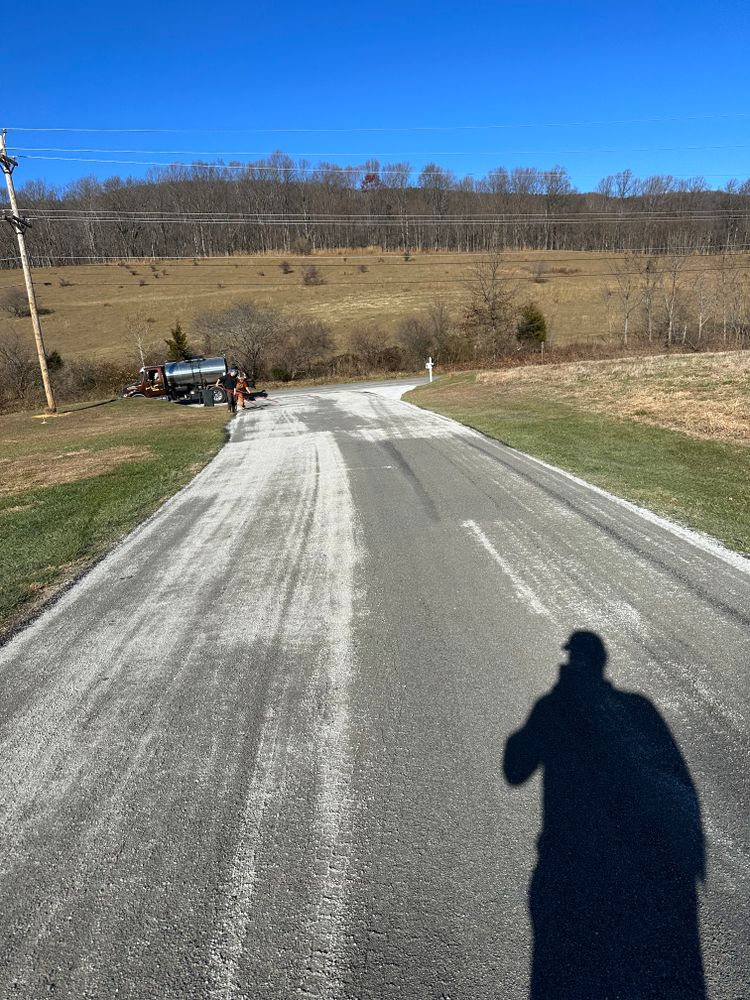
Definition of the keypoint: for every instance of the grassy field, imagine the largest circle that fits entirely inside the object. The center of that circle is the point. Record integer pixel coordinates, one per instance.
(72, 485)
(672, 434)
(95, 308)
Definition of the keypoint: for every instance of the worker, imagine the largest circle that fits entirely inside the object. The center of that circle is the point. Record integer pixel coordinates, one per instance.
(242, 390)
(228, 382)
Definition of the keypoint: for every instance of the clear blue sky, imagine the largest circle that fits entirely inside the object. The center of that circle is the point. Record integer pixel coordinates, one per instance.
(233, 66)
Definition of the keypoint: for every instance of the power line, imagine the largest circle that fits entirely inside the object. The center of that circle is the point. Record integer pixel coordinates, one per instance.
(609, 214)
(256, 152)
(366, 155)
(383, 223)
(292, 218)
(723, 116)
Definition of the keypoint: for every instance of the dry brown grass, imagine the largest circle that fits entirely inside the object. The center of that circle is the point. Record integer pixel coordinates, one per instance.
(93, 315)
(706, 396)
(86, 435)
(19, 474)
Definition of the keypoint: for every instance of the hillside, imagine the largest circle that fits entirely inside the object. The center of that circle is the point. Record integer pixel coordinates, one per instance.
(95, 310)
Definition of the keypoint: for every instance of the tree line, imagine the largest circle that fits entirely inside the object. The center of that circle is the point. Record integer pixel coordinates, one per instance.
(281, 206)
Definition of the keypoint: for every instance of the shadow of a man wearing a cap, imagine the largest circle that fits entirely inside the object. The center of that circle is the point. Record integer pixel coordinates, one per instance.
(613, 898)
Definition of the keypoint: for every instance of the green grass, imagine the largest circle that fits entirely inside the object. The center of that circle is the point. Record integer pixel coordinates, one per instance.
(49, 533)
(703, 484)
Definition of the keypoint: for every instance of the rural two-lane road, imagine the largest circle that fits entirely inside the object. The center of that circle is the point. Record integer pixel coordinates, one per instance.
(265, 749)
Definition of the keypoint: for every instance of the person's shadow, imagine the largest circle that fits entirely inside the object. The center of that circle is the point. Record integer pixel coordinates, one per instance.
(613, 899)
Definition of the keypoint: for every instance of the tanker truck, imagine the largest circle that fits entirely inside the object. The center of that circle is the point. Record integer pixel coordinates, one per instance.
(182, 381)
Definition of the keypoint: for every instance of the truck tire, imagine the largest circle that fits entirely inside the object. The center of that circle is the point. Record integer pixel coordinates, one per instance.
(219, 394)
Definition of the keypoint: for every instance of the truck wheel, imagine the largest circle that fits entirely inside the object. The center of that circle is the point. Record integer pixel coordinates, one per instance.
(136, 395)
(219, 395)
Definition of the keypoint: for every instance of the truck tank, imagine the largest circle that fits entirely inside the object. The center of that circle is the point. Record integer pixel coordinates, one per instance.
(194, 372)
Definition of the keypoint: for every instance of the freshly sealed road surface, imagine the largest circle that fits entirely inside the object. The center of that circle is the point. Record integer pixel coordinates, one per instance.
(311, 732)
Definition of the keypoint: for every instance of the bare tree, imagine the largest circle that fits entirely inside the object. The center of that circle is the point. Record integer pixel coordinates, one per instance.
(492, 309)
(650, 283)
(246, 333)
(415, 339)
(367, 344)
(726, 291)
(303, 346)
(704, 292)
(672, 267)
(137, 328)
(607, 297)
(446, 343)
(739, 311)
(627, 274)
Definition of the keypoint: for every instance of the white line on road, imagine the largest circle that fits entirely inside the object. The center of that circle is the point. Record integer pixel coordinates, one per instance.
(523, 591)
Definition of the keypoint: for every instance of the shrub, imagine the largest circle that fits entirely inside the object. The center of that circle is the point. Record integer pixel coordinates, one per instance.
(532, 326)
(304, 348)
(415, 339)
(372, 351)
(19, 372)
(302, 246)
(363, 269)
(539, 271)
(54, 361)
(15, 302)
(285, 267)
(312, 276)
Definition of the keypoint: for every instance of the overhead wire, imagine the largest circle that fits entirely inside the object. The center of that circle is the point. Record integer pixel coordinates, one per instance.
(382, 223)
(384, 128)
(365, 154)
(371, 155)
(670, 214)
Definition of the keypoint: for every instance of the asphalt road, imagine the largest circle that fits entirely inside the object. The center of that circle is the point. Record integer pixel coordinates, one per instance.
(306, 734)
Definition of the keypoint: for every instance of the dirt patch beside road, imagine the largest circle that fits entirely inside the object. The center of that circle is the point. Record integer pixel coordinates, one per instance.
(20, 474)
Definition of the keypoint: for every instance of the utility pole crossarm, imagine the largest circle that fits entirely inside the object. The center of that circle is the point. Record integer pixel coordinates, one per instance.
(20, 225)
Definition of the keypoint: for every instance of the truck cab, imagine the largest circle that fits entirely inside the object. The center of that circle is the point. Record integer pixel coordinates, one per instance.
(151, 383)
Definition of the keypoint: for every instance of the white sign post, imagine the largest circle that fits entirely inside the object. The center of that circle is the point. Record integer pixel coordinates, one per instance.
(429, 366)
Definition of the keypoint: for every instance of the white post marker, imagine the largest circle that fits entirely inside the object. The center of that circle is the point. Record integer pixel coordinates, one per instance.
(429, 366)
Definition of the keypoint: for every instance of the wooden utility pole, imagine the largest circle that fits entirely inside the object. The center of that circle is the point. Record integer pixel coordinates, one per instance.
(8, 165)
